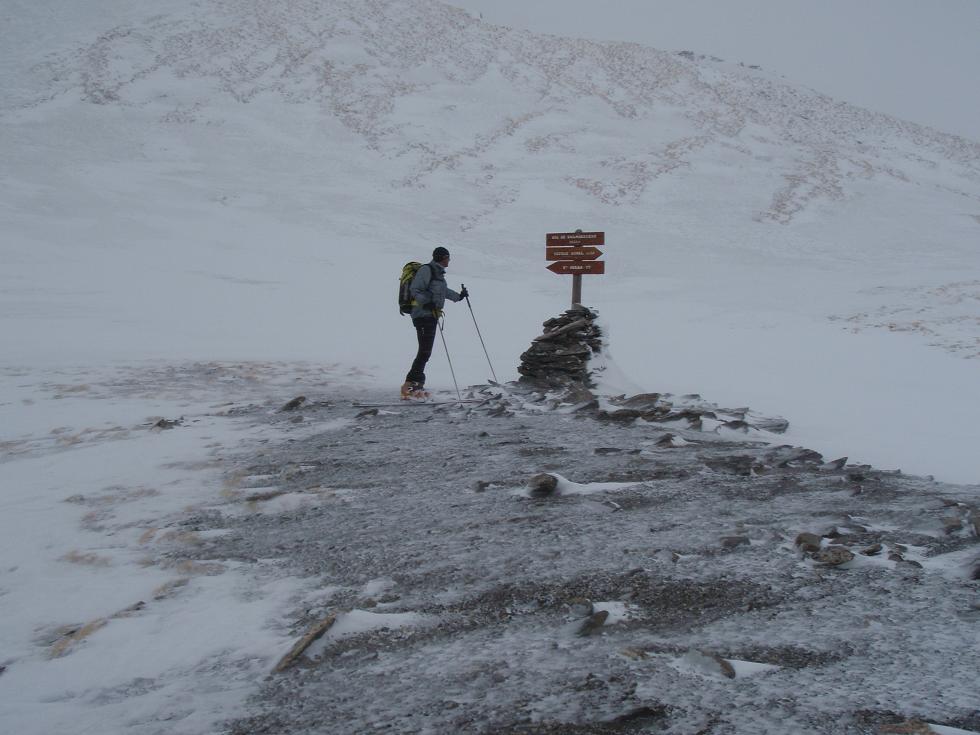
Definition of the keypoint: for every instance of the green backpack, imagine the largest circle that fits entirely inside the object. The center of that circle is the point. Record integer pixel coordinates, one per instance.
(405, 300)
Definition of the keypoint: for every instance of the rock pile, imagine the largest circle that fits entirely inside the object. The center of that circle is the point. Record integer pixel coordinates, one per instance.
(559, 358)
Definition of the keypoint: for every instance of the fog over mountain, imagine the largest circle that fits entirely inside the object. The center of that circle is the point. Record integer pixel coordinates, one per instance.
(900, 57)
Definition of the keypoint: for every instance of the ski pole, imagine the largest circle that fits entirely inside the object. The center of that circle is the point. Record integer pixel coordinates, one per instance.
(451, 371)
(481, 337)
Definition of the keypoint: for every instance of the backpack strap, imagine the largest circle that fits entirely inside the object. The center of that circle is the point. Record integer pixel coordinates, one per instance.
(432, 277)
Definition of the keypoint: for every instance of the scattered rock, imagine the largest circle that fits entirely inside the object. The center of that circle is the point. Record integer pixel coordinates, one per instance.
(644, 401)
(637, 654)
(952, 525)
(365, 413)
(872, 550)
(315, 633)
(642, 717)
(608, 450)
(593, 623)
(710, 663)
(808, 542)
(542, 484)
(834, 556)
(909, 727)
(895, 556)
(296, 420)
(726, 668)
(975, 522)
(737, 425)
(835, 464)
(774, 425)
(731, 542)
(693, 417)
(163, 424)
(294, 404)
(788, 456)
(481, 486)
(540, 451)
(667, 440)
(264, 496)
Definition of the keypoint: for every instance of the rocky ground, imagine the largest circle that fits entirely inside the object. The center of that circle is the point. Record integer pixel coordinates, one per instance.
(680, 571)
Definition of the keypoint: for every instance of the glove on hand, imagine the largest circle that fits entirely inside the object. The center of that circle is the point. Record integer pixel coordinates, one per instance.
(464, 293)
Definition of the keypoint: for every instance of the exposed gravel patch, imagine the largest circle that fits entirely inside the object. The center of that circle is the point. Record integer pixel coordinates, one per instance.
(422, 511)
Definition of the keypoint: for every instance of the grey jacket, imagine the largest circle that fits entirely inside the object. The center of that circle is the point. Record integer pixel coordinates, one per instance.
(430, 291)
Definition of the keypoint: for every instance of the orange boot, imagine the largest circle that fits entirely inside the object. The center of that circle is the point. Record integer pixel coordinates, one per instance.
(413, 392)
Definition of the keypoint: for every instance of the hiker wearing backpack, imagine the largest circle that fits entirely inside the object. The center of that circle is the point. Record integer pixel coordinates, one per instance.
(426, 293)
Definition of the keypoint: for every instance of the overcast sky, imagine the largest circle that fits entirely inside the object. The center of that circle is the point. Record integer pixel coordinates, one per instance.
(915, 59)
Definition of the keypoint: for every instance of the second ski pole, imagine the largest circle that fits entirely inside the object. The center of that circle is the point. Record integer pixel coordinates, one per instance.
(446, 348)
(480, 336)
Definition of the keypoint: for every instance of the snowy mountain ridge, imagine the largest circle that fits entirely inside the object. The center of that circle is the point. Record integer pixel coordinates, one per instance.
(406, 77)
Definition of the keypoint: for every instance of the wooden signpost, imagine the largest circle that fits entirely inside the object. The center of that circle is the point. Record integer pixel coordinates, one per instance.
(575, 253)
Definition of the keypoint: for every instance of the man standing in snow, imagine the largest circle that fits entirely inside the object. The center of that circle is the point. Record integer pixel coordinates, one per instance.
(429, 291)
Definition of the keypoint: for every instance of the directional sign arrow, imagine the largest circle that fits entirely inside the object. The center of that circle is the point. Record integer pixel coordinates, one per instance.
(580, 253)
(572, 239)
(578, 267)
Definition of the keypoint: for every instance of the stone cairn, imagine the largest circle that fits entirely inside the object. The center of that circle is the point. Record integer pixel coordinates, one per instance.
(558, 360)
(556, 369)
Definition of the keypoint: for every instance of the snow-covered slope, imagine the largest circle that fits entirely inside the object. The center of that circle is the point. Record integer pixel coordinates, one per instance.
(241, 179)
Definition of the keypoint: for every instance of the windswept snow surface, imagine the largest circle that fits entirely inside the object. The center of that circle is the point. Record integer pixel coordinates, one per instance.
(204, 206)
(108, 626)
(241, 180)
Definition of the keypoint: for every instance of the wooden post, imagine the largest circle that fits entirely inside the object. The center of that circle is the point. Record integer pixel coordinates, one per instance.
(576, 289)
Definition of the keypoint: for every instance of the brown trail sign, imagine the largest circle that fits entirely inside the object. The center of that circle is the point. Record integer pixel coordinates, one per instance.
(577, 267)
(586, 253)
(575, 253)
(553, 239)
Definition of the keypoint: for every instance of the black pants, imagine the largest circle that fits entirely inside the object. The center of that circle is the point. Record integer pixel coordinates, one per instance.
(425, 328)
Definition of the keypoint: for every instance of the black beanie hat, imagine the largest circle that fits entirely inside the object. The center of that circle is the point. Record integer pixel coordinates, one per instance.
(440, 253)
